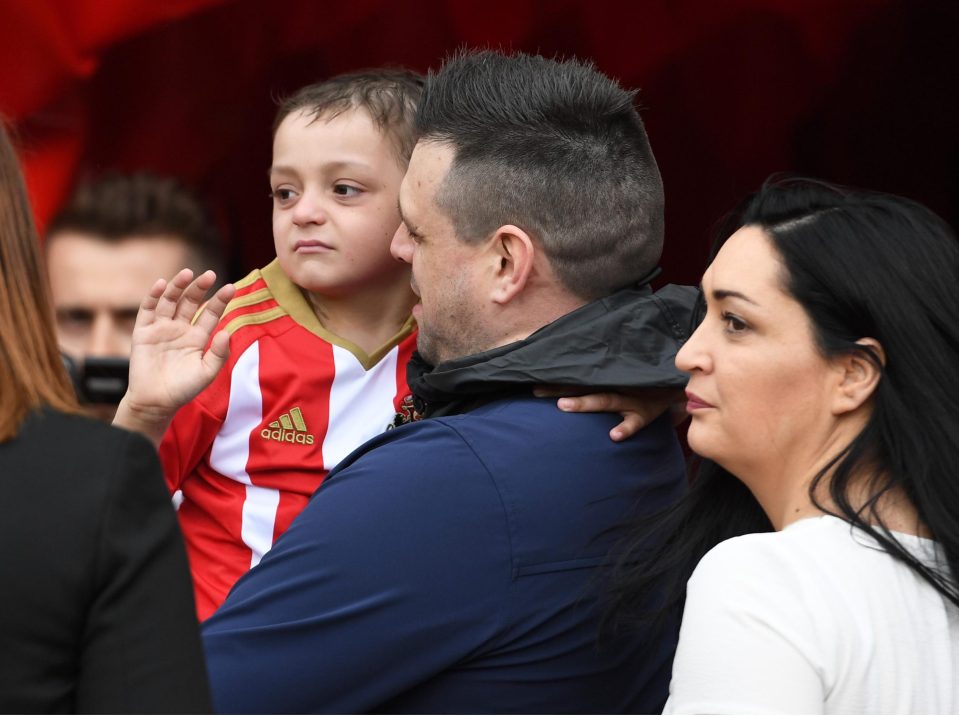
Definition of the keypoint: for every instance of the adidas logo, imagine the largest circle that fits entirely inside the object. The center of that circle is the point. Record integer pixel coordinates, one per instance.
(289, 428)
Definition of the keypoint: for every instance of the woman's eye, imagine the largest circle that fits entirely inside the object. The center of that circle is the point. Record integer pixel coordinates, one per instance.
(734, 324)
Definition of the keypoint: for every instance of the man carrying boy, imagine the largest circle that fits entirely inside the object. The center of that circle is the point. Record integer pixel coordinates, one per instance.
(451, 565)
(319, 338)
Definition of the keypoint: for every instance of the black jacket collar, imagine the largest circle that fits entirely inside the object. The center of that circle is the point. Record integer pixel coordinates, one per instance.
(626, 340)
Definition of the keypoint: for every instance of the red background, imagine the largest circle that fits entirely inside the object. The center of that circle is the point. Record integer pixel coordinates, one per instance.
(855, 91)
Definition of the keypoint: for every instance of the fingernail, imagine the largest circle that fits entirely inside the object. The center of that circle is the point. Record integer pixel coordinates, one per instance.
(566, 404)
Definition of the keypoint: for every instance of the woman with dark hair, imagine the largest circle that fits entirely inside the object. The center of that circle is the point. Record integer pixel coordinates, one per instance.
(822, 532)
(96, 607)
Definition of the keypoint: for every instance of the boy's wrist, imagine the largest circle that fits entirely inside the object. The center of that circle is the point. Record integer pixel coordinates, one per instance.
(150, 421)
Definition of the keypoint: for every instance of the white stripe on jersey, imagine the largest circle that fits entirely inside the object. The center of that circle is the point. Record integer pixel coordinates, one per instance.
(259, 518)
(231, 447)
(361, 403)
(230, 453)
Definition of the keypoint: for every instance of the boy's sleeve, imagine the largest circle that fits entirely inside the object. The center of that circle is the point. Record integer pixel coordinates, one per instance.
(195, 426)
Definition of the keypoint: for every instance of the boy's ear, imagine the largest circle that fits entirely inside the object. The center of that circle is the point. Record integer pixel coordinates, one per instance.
(858, 376)
(512, 251)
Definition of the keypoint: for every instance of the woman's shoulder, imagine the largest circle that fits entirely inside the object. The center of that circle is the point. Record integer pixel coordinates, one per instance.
(46, 424)
(797, 553)
(744, 552)
(50, 441)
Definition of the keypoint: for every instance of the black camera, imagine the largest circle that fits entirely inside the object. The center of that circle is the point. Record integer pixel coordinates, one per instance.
(98, 380)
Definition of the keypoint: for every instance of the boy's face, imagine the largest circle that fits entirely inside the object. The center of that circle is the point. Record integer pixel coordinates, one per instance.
(335, 185)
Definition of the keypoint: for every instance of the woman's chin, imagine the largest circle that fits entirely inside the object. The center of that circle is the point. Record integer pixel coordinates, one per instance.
(700, 440)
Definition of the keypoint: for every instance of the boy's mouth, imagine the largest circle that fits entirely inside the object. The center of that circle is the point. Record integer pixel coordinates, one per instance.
(310, 246)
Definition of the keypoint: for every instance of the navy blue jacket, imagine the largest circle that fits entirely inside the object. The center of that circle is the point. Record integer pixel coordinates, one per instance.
(450, 566)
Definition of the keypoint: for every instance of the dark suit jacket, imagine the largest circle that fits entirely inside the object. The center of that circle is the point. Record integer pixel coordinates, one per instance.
(96, 607)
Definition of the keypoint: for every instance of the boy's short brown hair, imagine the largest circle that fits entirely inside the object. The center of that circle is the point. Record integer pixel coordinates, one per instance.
(389, 95)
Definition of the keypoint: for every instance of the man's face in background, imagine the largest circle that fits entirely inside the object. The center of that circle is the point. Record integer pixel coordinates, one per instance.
(97, 287)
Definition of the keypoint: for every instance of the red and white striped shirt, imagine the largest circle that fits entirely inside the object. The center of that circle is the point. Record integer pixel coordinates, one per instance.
(250, 450)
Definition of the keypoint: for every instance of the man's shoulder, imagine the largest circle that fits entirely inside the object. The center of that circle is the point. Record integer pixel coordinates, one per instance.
(555, 478)
(421, 447)
(517, 427)
(479, 451)
(513, 423)
(535, 428)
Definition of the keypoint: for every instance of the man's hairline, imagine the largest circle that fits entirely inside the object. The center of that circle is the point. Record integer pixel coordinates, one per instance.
(194, 258)
(540, 246)
(440, 142)
(104, 238)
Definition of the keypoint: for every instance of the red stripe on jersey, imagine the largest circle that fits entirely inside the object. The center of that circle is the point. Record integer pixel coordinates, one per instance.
(291, 460)
(406, 348)
(295, 379)
(291, 504)
(211, 514)
(258, 307)
(257, 285)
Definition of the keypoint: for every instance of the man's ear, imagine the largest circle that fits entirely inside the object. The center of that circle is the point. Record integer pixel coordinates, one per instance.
(859, 376)
(513, 252)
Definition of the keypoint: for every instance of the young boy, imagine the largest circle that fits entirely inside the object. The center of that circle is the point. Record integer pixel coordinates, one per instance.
(319, 338)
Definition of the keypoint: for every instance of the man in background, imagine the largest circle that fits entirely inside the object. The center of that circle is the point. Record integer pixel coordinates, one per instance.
(104, 250)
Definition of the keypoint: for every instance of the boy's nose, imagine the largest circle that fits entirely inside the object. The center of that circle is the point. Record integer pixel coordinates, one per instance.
(308, 210)
(402, 246)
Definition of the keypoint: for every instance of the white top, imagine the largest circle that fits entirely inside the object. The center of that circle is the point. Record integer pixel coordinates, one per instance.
(815, 619)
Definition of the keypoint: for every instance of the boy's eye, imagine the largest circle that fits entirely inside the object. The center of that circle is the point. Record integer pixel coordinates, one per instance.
(282, 195)
(346, 190)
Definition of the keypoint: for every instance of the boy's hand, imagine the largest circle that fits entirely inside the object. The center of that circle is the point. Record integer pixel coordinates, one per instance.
(639, 407)
(168, 365)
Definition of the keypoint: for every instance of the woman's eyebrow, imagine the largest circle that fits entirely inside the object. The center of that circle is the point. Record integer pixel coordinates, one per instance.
(720, 293)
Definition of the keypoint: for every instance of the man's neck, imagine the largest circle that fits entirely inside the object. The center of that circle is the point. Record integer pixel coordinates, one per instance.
(522, 320)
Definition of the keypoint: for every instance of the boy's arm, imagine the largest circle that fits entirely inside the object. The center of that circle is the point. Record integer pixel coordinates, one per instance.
(168, 363)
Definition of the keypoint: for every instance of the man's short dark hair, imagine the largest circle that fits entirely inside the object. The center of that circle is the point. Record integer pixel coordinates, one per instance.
(388, 95)
(117, 206)
(556, 148)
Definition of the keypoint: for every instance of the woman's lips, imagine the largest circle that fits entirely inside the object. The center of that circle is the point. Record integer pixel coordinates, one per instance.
(694, 402)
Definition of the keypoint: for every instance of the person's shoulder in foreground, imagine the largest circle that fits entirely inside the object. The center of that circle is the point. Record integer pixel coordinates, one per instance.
(808, 598)
(449, 566)
(97, 610)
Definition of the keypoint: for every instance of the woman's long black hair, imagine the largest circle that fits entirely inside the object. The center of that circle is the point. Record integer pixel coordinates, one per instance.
(860, 264)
